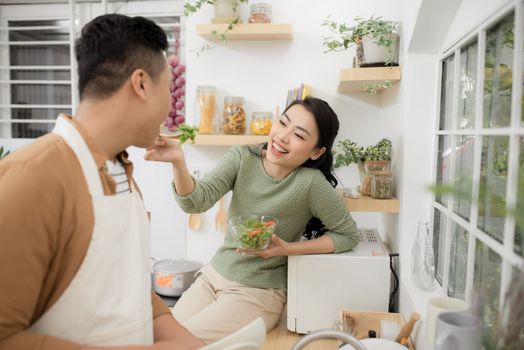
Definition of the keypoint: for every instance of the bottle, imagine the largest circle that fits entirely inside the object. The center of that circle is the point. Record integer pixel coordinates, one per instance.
(423, 259)
(234, 122)
(205, 109)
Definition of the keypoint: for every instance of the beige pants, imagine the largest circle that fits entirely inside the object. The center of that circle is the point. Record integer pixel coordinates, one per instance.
(214, 307)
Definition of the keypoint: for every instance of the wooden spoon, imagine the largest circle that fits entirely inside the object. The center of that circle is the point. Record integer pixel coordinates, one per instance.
(221, 217)
(194, 221)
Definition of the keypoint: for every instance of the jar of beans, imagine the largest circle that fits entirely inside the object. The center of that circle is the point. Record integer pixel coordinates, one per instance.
(382, 184)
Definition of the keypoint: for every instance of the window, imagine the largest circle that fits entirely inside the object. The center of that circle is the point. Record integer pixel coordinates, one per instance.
(478, 226)
(37, 78)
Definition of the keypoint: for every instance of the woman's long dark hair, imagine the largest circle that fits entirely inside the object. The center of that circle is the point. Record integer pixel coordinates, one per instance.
(327, 125)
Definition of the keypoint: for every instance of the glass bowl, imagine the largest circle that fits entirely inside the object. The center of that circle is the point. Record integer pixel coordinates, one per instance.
(252, 233)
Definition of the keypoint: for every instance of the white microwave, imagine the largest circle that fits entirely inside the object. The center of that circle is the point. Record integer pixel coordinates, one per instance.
(321, 285)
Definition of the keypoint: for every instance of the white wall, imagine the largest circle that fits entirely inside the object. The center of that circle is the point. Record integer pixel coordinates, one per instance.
(262, 72)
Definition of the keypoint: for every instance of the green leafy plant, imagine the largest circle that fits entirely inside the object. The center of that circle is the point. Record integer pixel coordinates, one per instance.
(187, 132)
(346, 36)
(347, 152)
(380, 151)
(191, 7)
(2, 150)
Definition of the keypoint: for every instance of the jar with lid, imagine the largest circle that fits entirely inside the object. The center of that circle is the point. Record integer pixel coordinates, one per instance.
(205, 109)
(376, 165)
(260, 13)
(234, 122)
(382, 184)
(261, 123)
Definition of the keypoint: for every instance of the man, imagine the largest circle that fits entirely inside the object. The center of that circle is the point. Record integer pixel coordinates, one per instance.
(74, 239)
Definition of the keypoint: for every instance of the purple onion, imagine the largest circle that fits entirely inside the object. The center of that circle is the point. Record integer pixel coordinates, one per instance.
(180, 82)
(179, 105)
(179, 93)
(170, 122)
(173, 60)
(179, 70)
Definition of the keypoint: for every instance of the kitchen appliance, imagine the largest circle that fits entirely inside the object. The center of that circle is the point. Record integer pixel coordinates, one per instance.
(171, 277)
(321, 285)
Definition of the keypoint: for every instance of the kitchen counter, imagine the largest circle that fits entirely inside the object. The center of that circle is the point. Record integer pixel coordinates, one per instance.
(282, 339)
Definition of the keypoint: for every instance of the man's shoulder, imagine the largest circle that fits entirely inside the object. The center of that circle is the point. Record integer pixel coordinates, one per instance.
(46, 159)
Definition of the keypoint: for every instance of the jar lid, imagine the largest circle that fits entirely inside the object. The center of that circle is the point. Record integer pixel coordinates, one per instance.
(267, 115)
(261, 6)
(233, 99)
(383, 173)
(206, 88)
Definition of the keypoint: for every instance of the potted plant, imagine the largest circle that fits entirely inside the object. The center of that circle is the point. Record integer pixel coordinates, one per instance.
(372, 158)
(376, 42)
(226, 11)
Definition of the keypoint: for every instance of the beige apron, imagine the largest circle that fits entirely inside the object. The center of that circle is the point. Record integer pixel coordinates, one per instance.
(109, 300)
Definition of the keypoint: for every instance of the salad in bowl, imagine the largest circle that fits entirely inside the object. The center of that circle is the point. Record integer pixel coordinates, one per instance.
(252, 232)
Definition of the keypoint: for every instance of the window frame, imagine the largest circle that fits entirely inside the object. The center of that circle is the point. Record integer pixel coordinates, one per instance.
(515, 131)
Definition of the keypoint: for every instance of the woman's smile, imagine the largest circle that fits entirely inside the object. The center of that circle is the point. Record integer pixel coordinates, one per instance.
(277, 149)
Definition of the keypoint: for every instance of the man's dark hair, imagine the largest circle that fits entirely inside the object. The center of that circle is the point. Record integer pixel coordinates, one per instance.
(111, 47)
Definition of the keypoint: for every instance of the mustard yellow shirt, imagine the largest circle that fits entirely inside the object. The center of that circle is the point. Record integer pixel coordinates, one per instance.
(46, 223)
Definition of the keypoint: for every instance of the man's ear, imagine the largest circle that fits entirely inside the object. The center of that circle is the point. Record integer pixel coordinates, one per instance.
(318, 153)
(139, 83)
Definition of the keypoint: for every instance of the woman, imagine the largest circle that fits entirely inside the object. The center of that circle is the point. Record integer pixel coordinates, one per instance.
(289, 178)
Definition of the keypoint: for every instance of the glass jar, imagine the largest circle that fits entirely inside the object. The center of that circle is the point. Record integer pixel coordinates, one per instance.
(234, 122)
(205, 109)
(261, 123)
(376, 165)
(382, 184)
(260, 13)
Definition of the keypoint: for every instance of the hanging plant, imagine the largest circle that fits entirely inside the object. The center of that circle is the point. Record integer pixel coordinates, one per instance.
(191, 7)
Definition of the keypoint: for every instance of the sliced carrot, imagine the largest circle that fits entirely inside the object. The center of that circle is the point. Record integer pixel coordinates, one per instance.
(254, 232)
(268, 223)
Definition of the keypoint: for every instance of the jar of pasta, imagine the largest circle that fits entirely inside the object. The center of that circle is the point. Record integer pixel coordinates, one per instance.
(234, 122)
(205, 109)
(261, 123)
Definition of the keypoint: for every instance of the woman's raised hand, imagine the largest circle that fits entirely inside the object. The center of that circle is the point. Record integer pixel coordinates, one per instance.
(165, 150)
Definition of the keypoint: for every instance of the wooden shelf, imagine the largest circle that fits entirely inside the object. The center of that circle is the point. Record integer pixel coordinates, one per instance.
(252, 31)
(229, 140)
(358, 79)
(366, 203)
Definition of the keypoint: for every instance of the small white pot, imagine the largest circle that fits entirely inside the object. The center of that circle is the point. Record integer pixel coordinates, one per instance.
(225, 11)
(374, 54)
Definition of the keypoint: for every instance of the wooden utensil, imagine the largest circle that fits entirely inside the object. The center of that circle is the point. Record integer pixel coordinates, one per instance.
(406, 330)
(221, 217)
(194, 221)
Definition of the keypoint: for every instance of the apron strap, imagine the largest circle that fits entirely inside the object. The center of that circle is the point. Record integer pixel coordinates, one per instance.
(73, 138)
